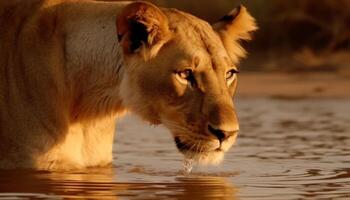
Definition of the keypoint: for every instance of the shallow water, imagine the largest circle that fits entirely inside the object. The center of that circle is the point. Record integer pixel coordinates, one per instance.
(286, 150)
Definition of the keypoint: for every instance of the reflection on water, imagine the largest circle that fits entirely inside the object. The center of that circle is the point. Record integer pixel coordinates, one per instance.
(102, 184)
(286, 150)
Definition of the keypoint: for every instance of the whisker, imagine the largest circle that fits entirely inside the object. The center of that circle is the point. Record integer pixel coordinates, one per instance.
(199, 146)
(183, 131)
(175, 126)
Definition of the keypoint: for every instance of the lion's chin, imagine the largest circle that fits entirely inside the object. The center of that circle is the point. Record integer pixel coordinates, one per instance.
(205, 158)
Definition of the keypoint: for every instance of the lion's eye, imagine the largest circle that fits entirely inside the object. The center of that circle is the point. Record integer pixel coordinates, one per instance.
(185, 76)
(230, 74)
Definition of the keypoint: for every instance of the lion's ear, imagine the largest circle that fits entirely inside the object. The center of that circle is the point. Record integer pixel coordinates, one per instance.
(142, 28)
(234, 27)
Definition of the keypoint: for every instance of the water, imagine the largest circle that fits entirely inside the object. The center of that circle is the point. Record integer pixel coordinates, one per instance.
(286, 150)
(188, 166)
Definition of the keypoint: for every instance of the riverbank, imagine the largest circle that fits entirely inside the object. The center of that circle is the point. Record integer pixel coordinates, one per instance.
(294, 85)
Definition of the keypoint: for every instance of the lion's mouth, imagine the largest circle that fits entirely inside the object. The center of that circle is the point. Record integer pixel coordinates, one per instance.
(181, 146)
(201, 153)
(184, 147)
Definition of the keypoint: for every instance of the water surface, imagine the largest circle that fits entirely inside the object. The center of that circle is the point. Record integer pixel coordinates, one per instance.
(286, 149)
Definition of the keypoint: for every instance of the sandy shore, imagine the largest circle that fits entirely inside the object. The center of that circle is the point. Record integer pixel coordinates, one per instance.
(293, 86)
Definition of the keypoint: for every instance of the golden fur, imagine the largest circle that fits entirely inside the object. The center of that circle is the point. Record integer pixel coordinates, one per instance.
(68, 68)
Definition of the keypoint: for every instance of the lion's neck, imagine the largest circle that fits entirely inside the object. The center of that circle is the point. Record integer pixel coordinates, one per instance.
(94, 57)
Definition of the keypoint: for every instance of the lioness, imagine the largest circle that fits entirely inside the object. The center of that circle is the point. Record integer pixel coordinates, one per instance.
(69, 68)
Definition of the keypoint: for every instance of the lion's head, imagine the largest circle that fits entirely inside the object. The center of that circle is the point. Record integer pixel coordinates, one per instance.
(181, 71)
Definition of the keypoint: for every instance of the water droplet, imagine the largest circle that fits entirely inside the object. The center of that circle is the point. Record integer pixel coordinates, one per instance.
(187, 166)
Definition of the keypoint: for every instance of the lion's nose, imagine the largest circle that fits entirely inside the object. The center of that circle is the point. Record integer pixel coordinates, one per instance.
(221, 134)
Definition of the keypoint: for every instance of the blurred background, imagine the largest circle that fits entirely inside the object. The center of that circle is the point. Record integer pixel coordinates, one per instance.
(298, 35)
